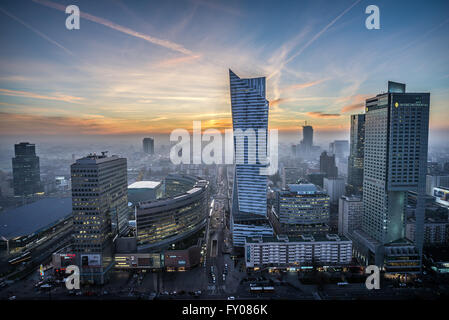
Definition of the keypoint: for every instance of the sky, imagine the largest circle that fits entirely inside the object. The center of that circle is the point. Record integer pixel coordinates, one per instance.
(149, 67)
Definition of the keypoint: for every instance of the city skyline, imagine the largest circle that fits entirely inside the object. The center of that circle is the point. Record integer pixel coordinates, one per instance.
(128, 73)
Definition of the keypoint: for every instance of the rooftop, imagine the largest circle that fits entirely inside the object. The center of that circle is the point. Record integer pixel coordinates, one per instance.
(144, 185)
(33, 217)
(304, 188)
(304, 238)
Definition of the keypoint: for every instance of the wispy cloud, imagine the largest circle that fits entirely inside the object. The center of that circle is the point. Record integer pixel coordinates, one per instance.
(313, 39)
(177, 61)
(321, 32)
(32, 95)
(304, 85)
(356, 102)
(319, 114)
(39, 33)
(218, 6)
(161, 42)
(276, 102)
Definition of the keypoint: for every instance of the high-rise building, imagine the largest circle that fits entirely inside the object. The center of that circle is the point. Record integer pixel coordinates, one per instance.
(335, 188)
(327, 165)
(148, 145)
(26, 170)
(350, 211)
(301, 209)
(340, 148)
(249, 199)
(436, 180)
(100, 212)
(396, 140)
(316, 178)
(305, 149)
(356, 153)
(307, 138)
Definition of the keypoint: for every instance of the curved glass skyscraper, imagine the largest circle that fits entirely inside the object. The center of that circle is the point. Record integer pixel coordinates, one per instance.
(250, 125)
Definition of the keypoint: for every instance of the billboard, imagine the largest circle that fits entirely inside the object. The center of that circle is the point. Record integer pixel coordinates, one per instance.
(441, 196)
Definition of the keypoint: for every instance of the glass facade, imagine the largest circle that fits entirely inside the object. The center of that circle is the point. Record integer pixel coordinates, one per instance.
(100, 209)
(250, 111)
(26, 170)
(168, 220)
(302, 208)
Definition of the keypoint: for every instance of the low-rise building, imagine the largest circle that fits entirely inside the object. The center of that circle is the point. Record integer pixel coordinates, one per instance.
(306, 250)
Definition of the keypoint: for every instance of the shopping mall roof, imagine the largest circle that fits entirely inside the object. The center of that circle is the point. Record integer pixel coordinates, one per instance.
(34, 217)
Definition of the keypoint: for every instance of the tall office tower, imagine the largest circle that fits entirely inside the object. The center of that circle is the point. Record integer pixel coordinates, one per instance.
(396, 140)
(356, 152)
(340, 148)
(350, 212)
(26, 170)
(300, 209)
(307, 138)
(335, 188)
(249, 199)
(148, 145)
(327, 165)
(100, 212)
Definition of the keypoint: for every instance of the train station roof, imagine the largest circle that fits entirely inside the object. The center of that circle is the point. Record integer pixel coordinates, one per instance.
(34, 217)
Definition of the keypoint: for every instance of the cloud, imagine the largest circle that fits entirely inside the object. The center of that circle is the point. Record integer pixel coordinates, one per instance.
(352, 107)
(300, 86)
(42, 35)
(217, 6)
(176, 61)
(319, 114)
(277, 102)
(312, 40)
(32, 95)
(322, 31)
(355, 102)
(161, 42)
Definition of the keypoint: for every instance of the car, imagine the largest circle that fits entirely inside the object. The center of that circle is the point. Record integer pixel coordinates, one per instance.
(231, 298)
(12, 298)
(79, 293)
